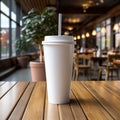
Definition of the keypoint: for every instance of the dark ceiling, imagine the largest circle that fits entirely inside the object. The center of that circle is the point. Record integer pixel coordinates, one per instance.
(76, 13)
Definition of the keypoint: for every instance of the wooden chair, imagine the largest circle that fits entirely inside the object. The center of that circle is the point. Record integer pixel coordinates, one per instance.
(109, 68)
(77, 67)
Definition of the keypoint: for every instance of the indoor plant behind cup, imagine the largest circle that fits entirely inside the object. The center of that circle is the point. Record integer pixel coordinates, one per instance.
(36, 25)
(21, 46)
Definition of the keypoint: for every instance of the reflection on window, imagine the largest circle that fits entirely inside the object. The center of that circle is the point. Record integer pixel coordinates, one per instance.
(103, 42)
(4, 36)
(108, 36)
(4, 8)
(117, 36)
(13, 29)
(7, 38)
(13, 15)
(21, 23)
(13, 11)
(104, 34)
(98, 37)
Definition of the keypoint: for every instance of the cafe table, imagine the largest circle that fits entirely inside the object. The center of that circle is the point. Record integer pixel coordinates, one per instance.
(99, 59)
(94, 59)
(95, 62)
(117, 62)
(89, 100)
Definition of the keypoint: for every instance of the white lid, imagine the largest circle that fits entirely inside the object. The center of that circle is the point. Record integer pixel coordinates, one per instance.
(58, 39)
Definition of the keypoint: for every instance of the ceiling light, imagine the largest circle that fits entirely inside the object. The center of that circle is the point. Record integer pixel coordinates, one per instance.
(85, 7)
(73, 20)
(66, 33)
(78, 37)
(116, 27)
(97, 3)
(87, 34)
(103, 30)
(84, 10)
(102, 1)
(90, 3)
(70, 28)
(94, 32)
(74, 38)
(83, 36)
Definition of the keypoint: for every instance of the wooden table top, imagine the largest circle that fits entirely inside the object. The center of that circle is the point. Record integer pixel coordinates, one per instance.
(117, 62)
(103, 57)
(94, 58)
(90, 100)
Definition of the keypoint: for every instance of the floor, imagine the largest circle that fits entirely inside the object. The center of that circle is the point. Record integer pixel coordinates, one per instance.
(22, 74)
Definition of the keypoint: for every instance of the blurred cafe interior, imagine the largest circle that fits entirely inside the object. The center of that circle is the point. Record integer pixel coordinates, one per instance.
(93, 93)
(94, 25)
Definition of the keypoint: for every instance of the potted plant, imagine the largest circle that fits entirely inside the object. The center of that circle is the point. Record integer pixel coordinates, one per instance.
(36, 25)
(21, 46)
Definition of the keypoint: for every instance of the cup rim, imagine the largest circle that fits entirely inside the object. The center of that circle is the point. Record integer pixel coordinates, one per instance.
(57, 43)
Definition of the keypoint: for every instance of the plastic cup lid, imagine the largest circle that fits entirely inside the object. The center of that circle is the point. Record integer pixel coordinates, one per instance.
(58, 39)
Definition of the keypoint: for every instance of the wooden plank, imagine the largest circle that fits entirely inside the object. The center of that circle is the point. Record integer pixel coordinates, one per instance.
(106, 98)
(35, 107)
(91, 107)
(21, 105)
(114, 88)
(76, 109)
(8, 102)
(111, 86)
(51, 111)
(5, 88)
(46, 106)
(65, 112)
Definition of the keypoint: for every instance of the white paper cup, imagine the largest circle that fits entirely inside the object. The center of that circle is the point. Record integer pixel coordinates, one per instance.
(58, 53)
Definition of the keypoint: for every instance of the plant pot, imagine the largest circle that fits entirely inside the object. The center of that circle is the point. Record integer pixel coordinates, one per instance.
(23, 61)
(37, 71)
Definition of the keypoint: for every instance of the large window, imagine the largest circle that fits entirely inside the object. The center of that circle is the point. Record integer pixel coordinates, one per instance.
(13, 29)
(117, 34)
(108, 34)
(117, 40)
(10, 15)
(104, 34)
(13, 11)
(4, 7)
(4, 36)
(98, 42)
